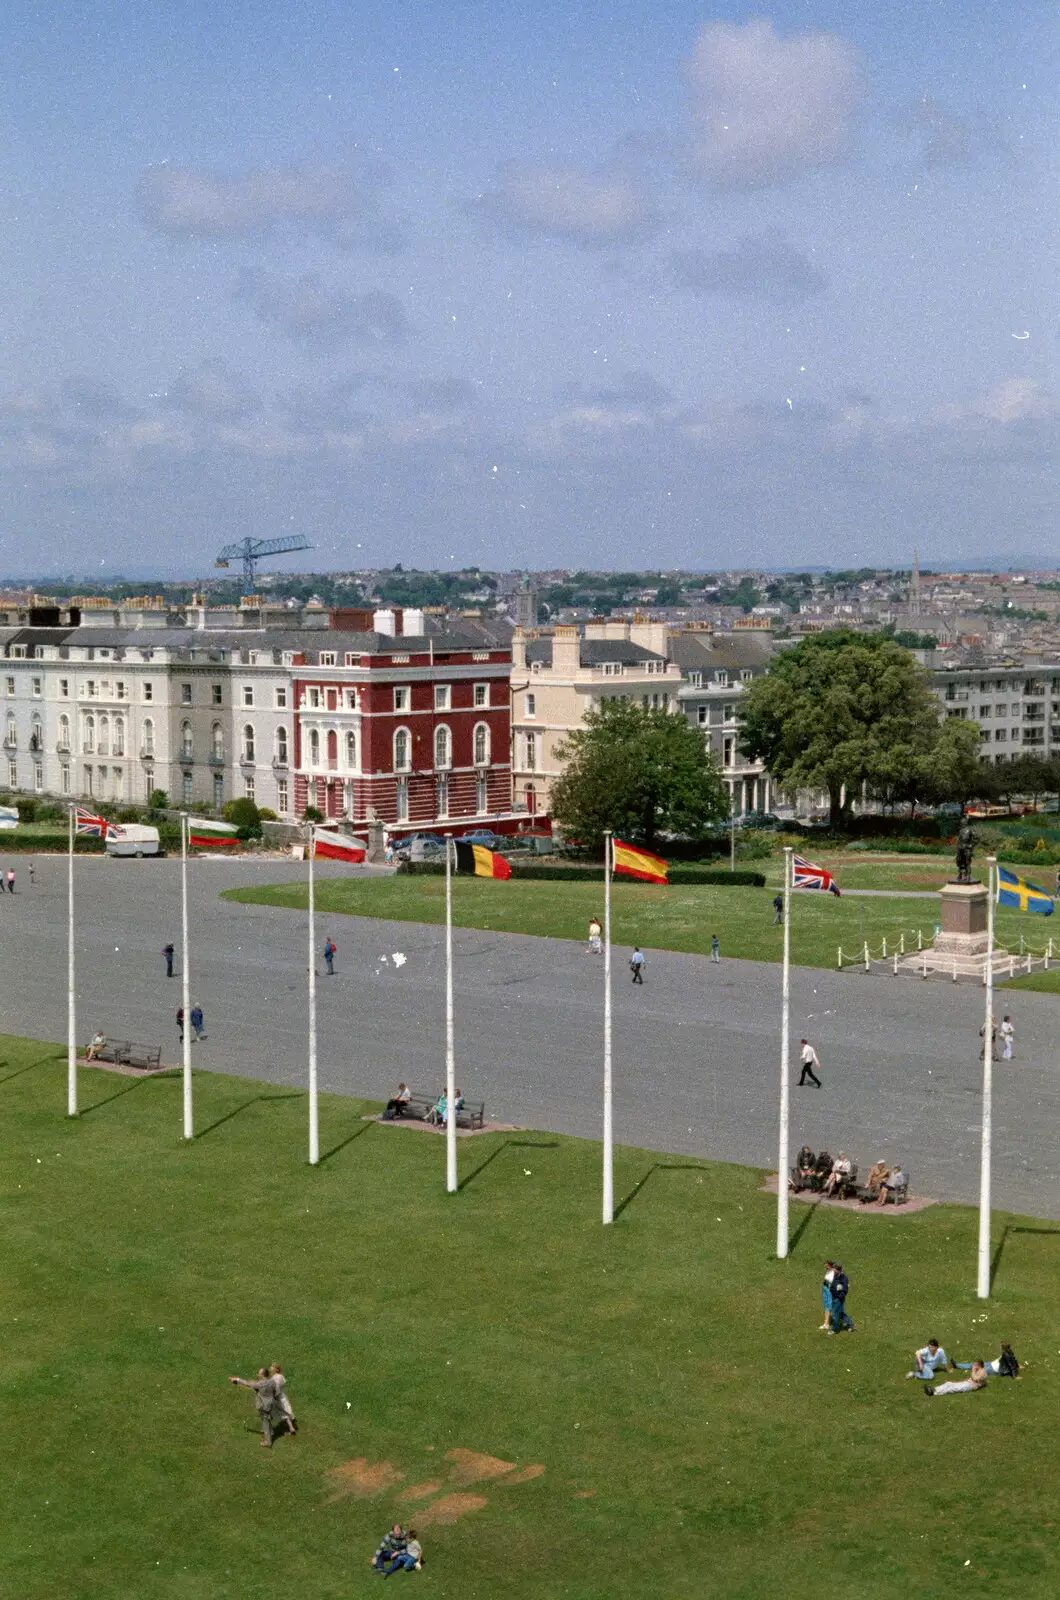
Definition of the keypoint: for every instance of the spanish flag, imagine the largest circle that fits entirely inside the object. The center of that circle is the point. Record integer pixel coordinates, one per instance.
(482, 862)
(640, 864)
(1015, 891)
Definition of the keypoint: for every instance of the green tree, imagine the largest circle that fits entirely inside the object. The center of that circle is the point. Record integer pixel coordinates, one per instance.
(244, 814)
(639, 772)
(953, 768)
(840, 710)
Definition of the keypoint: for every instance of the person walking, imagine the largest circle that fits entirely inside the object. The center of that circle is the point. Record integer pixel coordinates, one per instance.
(809, 1061)
(32, 874)
(197, 1022)
(329, 957)
(993, 1040)
(596, 934)
(168, 952)
(715, 947)
(778, 910)
(636, 965)
(840, 1290)
(264, 1388)
(283, 1405)
(10, 880)
(826, 1295)
(1008, 1033)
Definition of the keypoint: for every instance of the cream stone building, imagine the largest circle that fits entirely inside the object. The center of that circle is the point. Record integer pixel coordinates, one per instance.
(558, 676)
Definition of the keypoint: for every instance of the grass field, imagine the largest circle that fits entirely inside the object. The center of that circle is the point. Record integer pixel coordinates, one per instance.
(682, 917)
(690, 1430)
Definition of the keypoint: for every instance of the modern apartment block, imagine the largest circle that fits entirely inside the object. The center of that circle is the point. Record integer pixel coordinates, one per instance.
(1017, 707)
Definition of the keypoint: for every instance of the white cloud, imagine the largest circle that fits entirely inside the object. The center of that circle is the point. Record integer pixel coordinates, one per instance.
(766, 108)
(325, 316)
(585, 208)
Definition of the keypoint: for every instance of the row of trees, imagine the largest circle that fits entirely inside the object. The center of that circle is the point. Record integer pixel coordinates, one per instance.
(843, 712)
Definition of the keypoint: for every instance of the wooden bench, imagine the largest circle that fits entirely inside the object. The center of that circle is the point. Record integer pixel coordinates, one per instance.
(124, 1053)
(472, 1113)
(899, 1195)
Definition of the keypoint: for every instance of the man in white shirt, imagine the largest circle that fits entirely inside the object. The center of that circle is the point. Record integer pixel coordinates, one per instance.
(809, 1061)
(1007, 1034)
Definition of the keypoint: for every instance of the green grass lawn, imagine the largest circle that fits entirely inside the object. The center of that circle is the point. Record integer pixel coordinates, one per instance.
(691, 1430)
(681, 917)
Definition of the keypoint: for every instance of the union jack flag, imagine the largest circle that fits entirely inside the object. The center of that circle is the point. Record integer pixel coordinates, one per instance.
(807, 876)
(98, 827)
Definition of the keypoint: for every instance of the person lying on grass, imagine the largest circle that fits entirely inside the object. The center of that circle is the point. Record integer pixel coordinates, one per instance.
(976, 1381)
(1003, 1366)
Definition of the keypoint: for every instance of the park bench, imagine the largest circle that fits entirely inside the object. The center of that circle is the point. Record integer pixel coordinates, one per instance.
(898, 1196)
(124, 1053)
(472, 1113)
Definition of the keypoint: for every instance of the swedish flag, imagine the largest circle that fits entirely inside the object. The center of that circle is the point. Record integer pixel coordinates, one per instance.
(1015, 891)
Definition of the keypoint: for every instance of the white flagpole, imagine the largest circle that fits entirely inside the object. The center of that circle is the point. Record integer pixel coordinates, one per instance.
(314, 1109)
(785, 1070)
(988, 1095)
(189, 1117)
(450, 1052)
(71, 1004)
(609, 1147)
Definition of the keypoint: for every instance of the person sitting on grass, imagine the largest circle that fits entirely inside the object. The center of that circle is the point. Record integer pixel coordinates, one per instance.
(392, 1544)
(890, 1186)
(929, 1358)
(98, 1042)
(976, 1381)
(877, 1173)
(805, 1166)
(410, 1559)
(1003, 1366)
(398, 1104)
(841, 1170)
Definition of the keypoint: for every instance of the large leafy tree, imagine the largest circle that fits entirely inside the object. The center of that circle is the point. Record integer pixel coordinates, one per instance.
(840, 710)
(640, 773)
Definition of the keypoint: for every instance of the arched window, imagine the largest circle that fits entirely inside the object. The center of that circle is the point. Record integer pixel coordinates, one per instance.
(103, 746)
(119, 736)
(443, 747)
(217, 741)
(88, 734)
(482, 744)
(187, 746)
(333, 749)
(281, 746)
(36, 733)
(402, 750)
(149, 736)
(63, 741)
(531, 752)
(314, 748)
(248, 741)
(351, 751)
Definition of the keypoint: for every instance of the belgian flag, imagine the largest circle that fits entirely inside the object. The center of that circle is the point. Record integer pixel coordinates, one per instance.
(482, 862)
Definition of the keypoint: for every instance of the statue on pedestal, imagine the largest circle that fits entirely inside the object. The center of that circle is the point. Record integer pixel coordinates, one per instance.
(967, 839)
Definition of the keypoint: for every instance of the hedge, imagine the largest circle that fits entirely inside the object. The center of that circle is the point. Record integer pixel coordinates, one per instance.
(14, 840)
(545, 874)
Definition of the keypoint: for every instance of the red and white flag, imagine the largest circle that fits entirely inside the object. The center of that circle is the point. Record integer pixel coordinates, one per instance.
(336, 846)
(808, 876)
(96, 827)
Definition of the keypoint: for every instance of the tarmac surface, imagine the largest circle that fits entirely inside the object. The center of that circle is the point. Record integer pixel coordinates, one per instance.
(696, 1049)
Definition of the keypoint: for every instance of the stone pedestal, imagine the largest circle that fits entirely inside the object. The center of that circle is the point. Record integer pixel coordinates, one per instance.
(964, 915)
(376, 844)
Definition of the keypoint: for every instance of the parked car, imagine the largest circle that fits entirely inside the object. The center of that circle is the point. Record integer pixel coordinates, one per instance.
(420, 847)
(486, 836)
(759, 819)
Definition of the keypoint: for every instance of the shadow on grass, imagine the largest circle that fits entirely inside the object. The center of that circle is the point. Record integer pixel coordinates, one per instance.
(40, 1062)
(811, 1212)
(257, 1099)
(657, 1166)
(96, 1104)
(1007, 1231)
(507, 1144)
(356, 1134)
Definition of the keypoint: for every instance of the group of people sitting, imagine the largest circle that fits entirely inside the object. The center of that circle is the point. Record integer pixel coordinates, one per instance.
(838, 1177)
(932, 1358)
(398, 1551)
(398, 1106)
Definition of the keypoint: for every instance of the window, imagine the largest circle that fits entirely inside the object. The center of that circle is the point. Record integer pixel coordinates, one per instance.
(218, 790)
(217, 742)
(482, 694)
(119, 689)
(64, 688)
(216, 694)
(401, 800)
(185, 694)
(36, 734)
(104, 735)
(148, 737)
(248, 694)
(332, 698)
(401, 699)
(481, 796)
(314, 699)
(399, 661)
(327, 658)
(92, 689)
(10, 687)
(187, 747)
(441, 696)
(281, 797)
(442, 748)
(248, 742)
(185, 788)
(703, 715)
(1001, 711)
(248, 786)
(721, 679)
(480, 655)
(89, 779)
(443, 797)
(531, 752)
(482, 745)
(117, 787)
(351, 699)
(88, 735)
(531, 798)
(984, 711)
(728, 751)
(695, 679)
(118, 742)
(281, 698)
(36, 687)
(531, 705)
(314, 747)
(351, 751)
(984, 735)
(38, 777)
(149, 692)
(333, 750)
(402, 750)
(350, 659)
(281, 746)
(64, 778)
(63, 741)
(746, 675)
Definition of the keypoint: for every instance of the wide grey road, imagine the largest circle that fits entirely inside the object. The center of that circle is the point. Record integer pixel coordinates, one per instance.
(696, 1049)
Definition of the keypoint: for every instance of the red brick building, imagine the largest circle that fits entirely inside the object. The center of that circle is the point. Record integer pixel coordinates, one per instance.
(414, 731)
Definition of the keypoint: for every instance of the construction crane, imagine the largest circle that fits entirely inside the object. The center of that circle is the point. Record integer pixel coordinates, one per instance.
(250, 552)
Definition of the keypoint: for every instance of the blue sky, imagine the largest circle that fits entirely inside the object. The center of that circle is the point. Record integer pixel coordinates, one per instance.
(619, 285)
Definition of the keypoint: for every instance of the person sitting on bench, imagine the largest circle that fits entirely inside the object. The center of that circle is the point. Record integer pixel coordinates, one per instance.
(877, 1172)
(399, 1104)
(891, 1186)
(841, 1170)
(98, 1043)
(822, 1169)
(805, 1166)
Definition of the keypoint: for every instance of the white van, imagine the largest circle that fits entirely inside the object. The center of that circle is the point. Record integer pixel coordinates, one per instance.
(135, 839)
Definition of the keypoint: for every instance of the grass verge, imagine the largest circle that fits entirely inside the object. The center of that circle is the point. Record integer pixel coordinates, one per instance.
(690, 1429)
